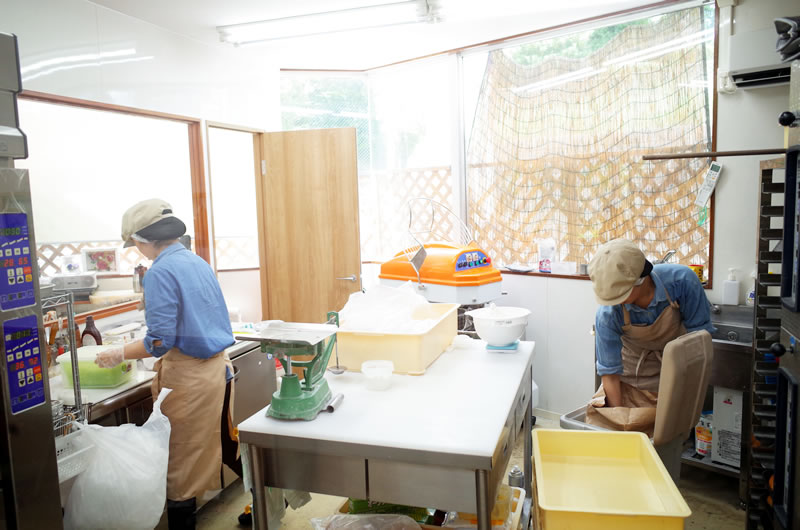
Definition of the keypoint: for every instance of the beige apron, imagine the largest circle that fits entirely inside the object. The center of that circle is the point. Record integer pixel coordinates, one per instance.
(194, 409)
(641, 363)
(642, 346)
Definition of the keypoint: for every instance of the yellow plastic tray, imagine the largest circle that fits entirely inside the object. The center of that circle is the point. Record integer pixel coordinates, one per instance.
(599, 480)
(411, 353)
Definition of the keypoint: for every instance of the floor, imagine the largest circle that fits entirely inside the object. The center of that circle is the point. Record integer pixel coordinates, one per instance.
(712, 498)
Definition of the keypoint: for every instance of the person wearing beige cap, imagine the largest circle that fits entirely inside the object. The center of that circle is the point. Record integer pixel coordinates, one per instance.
(188, 330)
(642, 308)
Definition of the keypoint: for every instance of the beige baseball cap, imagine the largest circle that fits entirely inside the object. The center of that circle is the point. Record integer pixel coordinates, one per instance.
(615, 269)
(152, 220)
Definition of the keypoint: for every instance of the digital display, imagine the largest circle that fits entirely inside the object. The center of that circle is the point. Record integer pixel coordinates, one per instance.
(11, 231)
(24, 334)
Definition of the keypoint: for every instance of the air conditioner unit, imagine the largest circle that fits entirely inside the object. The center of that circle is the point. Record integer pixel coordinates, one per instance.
(754, 61)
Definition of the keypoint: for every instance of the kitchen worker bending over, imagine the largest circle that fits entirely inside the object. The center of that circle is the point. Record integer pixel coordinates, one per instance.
(642, 308)
(188, 329)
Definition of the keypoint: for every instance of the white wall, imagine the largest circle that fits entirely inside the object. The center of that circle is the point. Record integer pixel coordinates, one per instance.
(78, 49)
(747, 119)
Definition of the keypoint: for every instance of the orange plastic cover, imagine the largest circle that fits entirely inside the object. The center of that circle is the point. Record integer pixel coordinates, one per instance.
(445, 264)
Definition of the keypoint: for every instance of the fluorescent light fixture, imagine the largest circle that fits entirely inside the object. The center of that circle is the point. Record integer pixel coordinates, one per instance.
(375, 16)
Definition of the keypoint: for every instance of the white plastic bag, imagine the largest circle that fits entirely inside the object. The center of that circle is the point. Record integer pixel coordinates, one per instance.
(384, 309)
(125, 484)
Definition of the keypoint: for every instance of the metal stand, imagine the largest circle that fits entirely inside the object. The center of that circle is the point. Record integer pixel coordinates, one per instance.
(65, 301)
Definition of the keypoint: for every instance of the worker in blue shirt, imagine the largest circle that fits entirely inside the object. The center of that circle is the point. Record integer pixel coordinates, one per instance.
(188, 329)
(642, 308)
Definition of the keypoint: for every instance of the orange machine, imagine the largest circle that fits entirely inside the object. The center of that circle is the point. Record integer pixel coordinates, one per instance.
(446, 273)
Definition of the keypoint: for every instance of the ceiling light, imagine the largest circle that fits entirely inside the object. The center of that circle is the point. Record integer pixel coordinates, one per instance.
(376, 16)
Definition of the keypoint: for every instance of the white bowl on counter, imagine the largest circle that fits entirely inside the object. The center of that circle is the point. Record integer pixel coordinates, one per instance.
(498, 325)
(377, 373)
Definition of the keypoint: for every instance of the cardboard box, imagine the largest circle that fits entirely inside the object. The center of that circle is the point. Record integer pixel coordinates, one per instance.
(726, 436)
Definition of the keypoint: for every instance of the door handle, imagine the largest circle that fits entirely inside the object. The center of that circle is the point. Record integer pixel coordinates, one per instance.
(351, 278)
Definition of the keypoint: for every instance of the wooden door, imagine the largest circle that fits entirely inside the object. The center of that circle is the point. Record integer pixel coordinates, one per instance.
(307, 189)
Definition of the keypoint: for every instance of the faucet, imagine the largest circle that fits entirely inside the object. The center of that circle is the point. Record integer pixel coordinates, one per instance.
(666, 257)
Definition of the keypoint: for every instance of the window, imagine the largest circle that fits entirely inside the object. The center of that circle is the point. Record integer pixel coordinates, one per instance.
(88, 166)
(554, 130)
(233, 197)
(560, 127)
(405, 128)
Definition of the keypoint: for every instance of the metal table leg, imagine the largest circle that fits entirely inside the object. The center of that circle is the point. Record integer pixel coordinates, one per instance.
(483, 503)
(527, 464)
(260, 516)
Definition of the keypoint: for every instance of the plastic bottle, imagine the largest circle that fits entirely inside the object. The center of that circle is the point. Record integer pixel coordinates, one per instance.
(547, 253)
(703, 434)
(751, 294)
(730, 289)
(91, 335)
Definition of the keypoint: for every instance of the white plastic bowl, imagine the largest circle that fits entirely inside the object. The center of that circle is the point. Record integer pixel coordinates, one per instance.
(377, 373)
(500, 326)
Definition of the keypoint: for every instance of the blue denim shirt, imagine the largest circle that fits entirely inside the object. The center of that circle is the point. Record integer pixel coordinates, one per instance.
(683, 287)
(184, 307)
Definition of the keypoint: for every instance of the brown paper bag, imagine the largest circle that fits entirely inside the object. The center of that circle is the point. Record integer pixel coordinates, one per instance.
(637, 413)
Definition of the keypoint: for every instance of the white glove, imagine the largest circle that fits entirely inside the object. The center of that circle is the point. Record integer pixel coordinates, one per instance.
(110, 358)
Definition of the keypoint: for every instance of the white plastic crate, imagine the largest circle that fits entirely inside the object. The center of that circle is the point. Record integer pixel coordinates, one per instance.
(73, 453)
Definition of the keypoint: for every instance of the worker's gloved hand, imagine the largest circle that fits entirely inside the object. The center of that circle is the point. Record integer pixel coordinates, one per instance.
(110, 358)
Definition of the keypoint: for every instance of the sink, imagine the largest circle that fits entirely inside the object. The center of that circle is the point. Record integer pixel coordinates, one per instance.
(732, 332)
(733, 323)
(733, 346)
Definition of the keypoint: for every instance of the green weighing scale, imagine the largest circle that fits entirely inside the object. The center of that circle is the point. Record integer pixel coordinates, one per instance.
(300, 399)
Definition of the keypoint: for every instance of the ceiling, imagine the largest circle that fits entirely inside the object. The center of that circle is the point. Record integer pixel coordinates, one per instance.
(466, 22)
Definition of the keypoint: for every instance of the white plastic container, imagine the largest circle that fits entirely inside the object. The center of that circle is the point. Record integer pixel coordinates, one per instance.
(378, 374)
(499, 326)
(411, 353)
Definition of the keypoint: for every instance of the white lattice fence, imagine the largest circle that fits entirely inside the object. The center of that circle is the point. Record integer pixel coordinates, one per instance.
(236, 252)
(51, 255)
(383, 211)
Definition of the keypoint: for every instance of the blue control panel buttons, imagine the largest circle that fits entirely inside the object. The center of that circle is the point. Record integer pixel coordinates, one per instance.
(23, 363)
(16, 262)
(472, 260)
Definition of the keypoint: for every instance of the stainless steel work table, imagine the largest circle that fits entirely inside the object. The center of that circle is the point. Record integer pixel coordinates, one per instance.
(439, 440)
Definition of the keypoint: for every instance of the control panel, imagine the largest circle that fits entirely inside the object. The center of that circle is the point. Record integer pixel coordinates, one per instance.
(23, 363)
(16, 266)
(472, 260)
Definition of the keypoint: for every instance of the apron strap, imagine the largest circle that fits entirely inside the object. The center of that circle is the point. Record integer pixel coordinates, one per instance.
(626, 317)
(642, 357)
(673, 303)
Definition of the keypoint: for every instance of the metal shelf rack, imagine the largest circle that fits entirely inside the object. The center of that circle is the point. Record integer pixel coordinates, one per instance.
(63, 418)
(758, 433)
